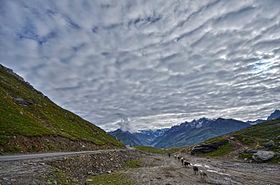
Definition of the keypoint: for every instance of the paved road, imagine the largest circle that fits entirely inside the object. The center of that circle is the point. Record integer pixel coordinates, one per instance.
(54, 154)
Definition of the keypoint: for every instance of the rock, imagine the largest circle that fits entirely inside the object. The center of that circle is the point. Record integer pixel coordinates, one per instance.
(23, 102)
(205, 148)
(250, 151)
(269, 144)
(90, 173)
(262, 156)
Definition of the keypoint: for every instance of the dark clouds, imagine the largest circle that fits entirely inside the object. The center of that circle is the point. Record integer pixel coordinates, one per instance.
(147, 64)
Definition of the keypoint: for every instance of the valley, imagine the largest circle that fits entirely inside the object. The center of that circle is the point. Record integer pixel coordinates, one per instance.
(161, 92)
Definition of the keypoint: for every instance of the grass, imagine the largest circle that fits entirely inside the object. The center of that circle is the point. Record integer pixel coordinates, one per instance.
(244, 155)
(43, 117)
(59, 177)
(214, 140)
(258, 135)
(221, 151)
(153, 150)
(134, 164)
(254, 137)
(110, 179)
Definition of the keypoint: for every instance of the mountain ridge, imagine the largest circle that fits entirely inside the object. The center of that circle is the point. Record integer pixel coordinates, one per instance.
(189, 133)
(274, 115)
(183, 134)
(193, 132)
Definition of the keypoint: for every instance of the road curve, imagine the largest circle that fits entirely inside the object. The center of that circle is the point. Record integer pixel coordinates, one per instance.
(53, 154)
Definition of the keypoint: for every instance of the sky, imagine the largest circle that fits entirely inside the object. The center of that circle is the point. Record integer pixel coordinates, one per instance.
(146, 64)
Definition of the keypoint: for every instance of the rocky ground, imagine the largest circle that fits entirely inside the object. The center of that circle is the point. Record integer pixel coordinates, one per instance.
(65, 169)
(155, 170)
(168, 171)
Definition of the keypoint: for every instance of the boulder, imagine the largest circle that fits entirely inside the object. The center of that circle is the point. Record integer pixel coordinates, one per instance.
(205, 148)
(262, 156)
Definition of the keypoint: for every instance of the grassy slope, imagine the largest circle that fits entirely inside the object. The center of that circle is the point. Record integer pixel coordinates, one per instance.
(254, 137)
(43, 117)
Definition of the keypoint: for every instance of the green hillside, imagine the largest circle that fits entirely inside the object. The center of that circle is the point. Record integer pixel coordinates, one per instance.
(30, 122)
(264, 136)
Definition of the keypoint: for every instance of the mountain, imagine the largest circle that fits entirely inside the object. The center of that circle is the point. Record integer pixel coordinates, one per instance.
(147, 137)
(126, 137)
(31, 122)
(248, 144)
(274, 115)
(189, 133)
(143, 137)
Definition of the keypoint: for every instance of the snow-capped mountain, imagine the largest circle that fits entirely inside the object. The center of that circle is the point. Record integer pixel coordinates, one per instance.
(187, 133)
(143, 137)
(196, 131)
(126, 137)
(147, 137)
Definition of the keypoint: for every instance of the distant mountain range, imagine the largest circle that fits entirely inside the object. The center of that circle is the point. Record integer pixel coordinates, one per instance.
(187, 133)
(143, 137)
(147, 137)
(126, 137)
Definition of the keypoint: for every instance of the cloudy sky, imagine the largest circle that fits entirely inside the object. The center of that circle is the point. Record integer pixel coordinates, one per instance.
(147, 63)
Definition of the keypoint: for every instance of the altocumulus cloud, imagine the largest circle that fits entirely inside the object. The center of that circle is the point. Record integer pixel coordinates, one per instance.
(147, 64)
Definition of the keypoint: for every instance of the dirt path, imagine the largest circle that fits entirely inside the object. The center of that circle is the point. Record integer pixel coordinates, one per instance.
(169, 171)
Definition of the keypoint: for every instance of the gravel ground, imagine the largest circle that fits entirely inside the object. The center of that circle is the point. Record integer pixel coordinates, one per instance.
(169, 171)
(156, 170)
(64, 169)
